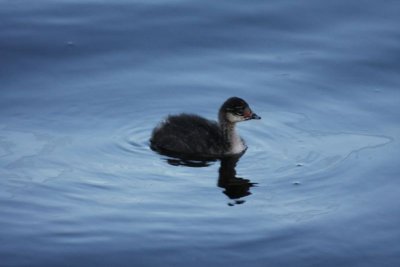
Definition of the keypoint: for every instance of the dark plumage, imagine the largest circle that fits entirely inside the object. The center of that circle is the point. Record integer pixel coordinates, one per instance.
(189, 134)
(180, 133)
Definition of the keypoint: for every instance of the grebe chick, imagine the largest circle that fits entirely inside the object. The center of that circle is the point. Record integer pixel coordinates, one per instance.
(192, 135)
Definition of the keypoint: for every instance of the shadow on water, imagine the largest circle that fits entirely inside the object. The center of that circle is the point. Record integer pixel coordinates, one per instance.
(236, 188)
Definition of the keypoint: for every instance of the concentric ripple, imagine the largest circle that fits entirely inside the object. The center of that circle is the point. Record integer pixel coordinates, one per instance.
(287, 146)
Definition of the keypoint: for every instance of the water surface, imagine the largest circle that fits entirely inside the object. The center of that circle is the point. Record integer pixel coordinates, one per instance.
(83, 83)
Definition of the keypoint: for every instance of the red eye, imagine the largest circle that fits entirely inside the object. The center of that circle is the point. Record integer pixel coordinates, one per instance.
(247, 113)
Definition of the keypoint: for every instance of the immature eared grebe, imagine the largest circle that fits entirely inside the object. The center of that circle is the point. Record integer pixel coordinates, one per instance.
(192, 135)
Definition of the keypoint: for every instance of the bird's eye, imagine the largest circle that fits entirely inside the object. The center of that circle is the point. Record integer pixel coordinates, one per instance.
(239, 111)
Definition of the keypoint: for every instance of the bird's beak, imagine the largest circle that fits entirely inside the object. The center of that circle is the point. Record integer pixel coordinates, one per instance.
(254, 116)
(249, 115)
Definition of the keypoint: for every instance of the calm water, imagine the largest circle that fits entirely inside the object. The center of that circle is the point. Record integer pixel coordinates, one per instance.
(84, 82)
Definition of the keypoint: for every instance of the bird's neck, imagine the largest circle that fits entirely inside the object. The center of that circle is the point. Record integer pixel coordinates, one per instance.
(232, 140)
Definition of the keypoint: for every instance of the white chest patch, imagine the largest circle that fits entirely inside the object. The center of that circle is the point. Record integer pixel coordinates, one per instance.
(237, 145)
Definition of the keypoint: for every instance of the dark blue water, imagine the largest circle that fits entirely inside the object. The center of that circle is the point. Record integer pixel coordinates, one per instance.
(84, 82)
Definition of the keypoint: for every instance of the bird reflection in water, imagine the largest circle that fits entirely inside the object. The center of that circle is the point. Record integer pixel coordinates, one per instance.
(236, 188)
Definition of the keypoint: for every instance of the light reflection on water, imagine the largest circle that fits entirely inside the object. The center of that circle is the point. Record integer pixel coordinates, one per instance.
(84, 83)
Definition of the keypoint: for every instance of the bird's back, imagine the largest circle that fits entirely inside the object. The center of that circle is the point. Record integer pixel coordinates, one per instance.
(188, 134)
